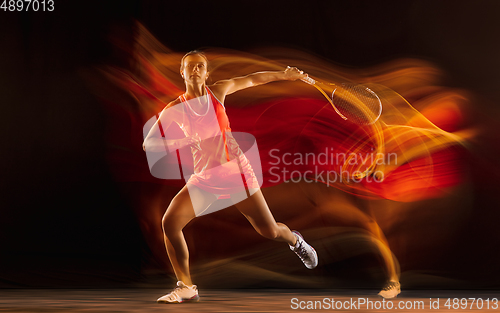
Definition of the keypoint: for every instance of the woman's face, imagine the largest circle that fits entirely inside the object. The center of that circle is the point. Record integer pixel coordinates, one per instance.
(194, 69)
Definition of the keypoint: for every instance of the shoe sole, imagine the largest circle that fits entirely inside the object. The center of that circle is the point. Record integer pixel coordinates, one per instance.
(193, 299)
(387, 297)
(316, 257)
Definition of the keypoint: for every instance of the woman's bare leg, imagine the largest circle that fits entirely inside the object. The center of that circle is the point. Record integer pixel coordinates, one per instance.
(257, 212)
(179, 213)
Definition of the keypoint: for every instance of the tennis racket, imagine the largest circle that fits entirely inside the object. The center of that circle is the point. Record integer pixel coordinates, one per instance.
(354, 103)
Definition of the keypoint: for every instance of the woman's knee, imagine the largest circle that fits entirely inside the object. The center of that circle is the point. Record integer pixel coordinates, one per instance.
(167, 222)
(269, 232)
(176, 217)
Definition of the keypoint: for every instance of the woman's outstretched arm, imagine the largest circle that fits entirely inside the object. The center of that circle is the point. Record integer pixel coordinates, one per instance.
(229, 86)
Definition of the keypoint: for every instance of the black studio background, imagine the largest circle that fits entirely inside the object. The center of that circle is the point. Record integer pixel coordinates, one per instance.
(63, 222)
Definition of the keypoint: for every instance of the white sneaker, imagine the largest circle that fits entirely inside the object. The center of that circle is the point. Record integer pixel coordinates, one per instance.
(304, 251)
(181, 293)
(390, 290)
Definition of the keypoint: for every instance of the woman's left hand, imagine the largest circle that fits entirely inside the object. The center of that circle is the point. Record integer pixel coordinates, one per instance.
(293, 73)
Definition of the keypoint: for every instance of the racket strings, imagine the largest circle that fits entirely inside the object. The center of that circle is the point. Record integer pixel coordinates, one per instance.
(357, 103)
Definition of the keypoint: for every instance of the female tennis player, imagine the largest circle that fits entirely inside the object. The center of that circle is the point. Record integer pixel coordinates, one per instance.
(219, 166)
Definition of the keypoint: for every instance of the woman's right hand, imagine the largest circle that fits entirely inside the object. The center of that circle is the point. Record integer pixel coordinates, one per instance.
(293, 73)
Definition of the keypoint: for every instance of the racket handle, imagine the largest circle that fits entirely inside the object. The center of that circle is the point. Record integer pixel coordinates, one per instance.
(308, 80)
